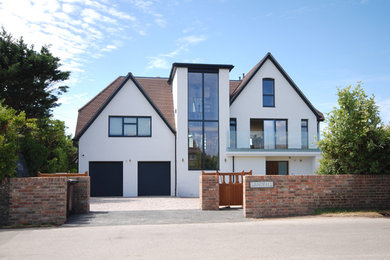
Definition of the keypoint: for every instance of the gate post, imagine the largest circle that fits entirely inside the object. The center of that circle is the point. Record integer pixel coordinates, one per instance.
(209, 192)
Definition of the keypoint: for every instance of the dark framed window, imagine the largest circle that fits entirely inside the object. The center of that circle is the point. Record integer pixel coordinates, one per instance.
(233, 133)
(268, 93)
(276, 167)
(268, 134)
(318, 131)
(129, 126)
(305, 133)
(203, 124)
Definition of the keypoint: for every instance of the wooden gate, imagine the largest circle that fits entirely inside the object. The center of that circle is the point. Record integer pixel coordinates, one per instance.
(231, 189)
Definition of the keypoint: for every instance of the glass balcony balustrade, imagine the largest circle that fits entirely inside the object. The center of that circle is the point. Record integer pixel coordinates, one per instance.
(271, 141)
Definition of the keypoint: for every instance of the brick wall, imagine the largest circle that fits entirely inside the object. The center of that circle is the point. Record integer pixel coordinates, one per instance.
(80, 196)
(41, 200)
(302, 195)
(4, 202)
(209, 192)
(37, 200)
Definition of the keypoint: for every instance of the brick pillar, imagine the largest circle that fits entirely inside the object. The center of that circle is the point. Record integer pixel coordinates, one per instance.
(80, 196)
(209, 192)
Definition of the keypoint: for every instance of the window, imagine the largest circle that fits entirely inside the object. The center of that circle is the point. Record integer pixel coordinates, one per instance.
(318, 131)
(276, 167)
(268, 93)
(304, 134)
(203, 133)
(268, 134)
(233, 133)
(130, 126)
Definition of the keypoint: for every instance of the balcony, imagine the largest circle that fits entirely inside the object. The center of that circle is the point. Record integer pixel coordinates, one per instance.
(271, 144)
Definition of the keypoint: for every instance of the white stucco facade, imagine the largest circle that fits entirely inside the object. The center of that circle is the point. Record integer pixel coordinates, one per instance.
(288, 106)
(167, 145)
(96, 146)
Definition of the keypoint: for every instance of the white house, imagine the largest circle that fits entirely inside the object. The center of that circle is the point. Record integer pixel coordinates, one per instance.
(153, 136)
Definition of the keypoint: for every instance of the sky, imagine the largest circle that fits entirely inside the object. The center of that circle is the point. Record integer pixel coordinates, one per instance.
(322, 45)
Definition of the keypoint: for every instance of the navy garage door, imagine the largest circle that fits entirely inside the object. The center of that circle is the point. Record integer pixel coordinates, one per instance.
(106, 178)
(154, 178)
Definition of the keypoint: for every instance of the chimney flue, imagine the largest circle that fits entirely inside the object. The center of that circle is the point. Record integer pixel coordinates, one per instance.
(243, 75)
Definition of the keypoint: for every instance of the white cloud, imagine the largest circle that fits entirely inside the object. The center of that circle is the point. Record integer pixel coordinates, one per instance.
(68, 8)
(147, 7)
(161, 61)
(160, 22)
(158, 62)
(75, 30)
(192, 39)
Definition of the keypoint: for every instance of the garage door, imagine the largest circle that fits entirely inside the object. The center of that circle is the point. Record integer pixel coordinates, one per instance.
(154, 178)
(106, 178)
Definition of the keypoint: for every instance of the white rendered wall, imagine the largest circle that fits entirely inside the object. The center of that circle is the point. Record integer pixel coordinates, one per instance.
(296, 165)
(288, 105)
(225, 164)
(254, 163)
(188, 180)
(95, 145)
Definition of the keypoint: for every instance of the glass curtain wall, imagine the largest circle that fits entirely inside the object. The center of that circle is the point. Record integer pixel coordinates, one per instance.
(203, 134)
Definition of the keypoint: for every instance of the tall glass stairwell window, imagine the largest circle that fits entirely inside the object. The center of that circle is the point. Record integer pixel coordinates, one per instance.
(203, 134)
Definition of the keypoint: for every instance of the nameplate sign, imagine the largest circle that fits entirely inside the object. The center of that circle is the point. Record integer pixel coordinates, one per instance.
(261, 184)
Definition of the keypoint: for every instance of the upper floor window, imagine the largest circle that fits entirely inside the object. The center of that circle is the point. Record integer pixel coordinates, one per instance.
(268, 93)
(130, 126)
(304, 134)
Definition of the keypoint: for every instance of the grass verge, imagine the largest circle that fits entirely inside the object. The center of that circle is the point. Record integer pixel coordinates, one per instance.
(353, 212)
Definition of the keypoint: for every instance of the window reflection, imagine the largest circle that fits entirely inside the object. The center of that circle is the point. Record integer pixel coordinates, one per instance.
(268, 134)
(203, 136)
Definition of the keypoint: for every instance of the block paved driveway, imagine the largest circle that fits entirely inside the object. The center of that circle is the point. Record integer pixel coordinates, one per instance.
(151, 210)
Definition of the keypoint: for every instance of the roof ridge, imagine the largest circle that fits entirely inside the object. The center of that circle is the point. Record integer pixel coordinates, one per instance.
(98, 94)
(146, 77)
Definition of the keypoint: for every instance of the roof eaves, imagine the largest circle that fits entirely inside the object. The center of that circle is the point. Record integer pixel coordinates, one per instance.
(245, 82)
(129, 76)
(152, 104)
(93, 118)
(318, 114)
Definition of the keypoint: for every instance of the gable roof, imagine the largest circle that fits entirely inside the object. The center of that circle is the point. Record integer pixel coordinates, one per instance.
(155, 90)
(256, 68)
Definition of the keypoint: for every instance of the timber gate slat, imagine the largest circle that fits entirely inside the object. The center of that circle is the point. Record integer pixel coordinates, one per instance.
(230, 187)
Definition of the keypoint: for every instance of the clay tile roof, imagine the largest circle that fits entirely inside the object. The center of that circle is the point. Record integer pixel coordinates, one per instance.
(157, 90)
(233, 84)
(90, 109)
(160, 93)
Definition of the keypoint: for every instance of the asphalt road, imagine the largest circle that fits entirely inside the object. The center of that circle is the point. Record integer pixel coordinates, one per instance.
(289, 238)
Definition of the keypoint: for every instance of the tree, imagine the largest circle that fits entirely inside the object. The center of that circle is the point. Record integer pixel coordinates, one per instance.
(29, 80)
(12, 128)
(356, 141)
(49, 149)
